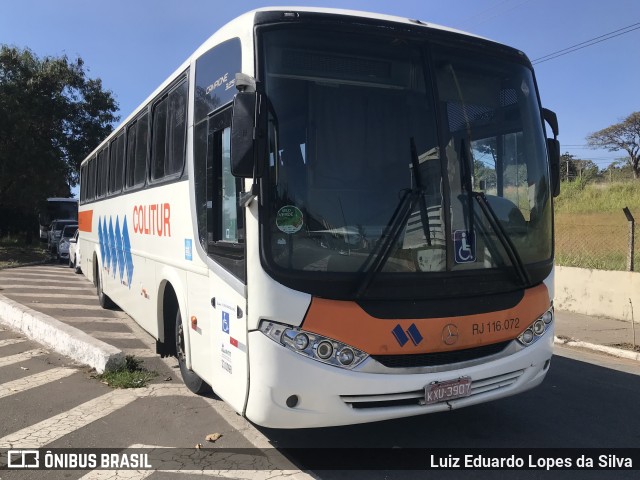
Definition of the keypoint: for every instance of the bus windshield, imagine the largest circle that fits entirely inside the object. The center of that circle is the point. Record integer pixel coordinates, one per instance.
(380, 147)
(58, 209)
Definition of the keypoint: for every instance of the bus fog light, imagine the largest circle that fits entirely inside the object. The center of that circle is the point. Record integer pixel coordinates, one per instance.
(324, 350)
(301, 341)
(346, 356)
(539, 327)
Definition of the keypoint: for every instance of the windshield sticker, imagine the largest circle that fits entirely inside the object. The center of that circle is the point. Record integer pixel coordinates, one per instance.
(289, 219)
(525, 88)
(464, 246)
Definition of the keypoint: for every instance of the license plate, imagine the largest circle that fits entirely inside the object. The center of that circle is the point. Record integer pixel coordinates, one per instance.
(442, 391)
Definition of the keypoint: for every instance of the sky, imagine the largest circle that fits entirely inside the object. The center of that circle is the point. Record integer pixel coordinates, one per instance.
(134, 45)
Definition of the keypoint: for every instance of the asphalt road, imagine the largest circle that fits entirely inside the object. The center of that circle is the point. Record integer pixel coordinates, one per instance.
(587, 401)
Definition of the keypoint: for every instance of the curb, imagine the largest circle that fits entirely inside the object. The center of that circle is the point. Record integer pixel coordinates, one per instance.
(616, 352)
(60, 337)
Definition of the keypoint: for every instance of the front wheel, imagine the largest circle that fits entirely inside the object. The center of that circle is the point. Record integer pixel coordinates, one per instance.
(190, 378)
(103, 298)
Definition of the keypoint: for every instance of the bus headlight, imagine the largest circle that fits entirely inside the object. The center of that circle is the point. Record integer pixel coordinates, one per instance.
(537, 329)
(301, 341)
(346, 356)
(314, 346)
(324, 350)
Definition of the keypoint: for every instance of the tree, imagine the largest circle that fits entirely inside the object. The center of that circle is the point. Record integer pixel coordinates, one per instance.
(567, 166)
(621, 136)
(51, 116)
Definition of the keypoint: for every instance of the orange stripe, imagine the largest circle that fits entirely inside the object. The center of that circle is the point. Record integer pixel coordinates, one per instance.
(348, 323)
(85, 221)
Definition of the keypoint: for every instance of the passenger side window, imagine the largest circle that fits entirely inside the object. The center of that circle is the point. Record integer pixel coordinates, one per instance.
(91, 181)
(137, 146)
(169, 134)
(103, 173)
(116, 164)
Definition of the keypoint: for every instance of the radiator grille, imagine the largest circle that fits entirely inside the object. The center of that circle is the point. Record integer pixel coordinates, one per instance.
(416, 397)
(441, 358)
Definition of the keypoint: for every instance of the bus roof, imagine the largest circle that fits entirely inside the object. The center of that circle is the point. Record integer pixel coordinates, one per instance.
(61, 199)
(243, 25)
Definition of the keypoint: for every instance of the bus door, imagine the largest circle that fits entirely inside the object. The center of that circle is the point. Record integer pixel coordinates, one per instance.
(227, 282)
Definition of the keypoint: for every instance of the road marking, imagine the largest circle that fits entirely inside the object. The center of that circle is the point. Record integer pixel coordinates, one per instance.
(140, 352)
(112, 335)
(62, 306)
(11, 341)
(53, 428)
(11, 286)
(21, 357)
(237, 474)
(101, 320)
(33, 381)
(63, 296)
(117, 475)
(38, 269)
(182, 459)
(42, 278)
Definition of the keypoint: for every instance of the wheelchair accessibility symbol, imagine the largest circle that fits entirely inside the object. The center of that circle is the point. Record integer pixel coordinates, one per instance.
(464, 246)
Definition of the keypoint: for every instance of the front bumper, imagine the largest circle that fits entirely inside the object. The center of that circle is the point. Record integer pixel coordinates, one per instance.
(330, 396)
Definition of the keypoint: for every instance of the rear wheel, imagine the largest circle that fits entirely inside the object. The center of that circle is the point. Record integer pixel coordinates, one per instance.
(190, 378)
(76, 267)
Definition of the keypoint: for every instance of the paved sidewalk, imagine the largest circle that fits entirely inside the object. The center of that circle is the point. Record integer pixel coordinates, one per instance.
(597, 333)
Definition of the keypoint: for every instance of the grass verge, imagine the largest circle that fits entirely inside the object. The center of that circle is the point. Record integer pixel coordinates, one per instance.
(131, 374)
(14, 253)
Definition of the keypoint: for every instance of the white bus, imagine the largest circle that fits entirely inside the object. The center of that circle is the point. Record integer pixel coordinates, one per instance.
(334, 217)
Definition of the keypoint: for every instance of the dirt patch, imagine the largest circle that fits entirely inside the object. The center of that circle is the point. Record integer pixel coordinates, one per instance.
(626, 346)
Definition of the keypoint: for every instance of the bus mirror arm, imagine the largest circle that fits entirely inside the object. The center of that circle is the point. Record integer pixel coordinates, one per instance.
(245, 198)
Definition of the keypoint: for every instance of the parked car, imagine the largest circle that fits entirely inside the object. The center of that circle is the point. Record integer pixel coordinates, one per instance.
(63, 245)
(55, 232)
(75, 260)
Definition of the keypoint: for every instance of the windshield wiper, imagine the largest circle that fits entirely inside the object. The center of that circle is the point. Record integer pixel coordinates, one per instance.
(424, 213)
(503, 236)
(380, 253)
(466, 175)
(410, 198)
(490, 214)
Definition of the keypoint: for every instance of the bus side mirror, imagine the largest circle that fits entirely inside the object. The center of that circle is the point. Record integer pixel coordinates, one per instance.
(553, 148)
(247, 135)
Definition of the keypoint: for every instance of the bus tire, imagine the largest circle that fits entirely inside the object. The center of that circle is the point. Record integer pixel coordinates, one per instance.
(191, 379)
(103, 298)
